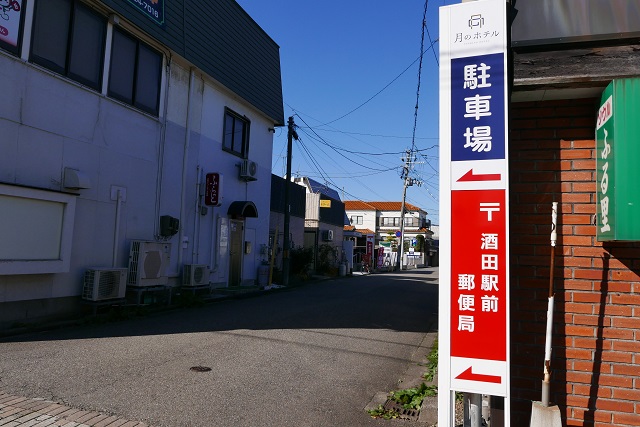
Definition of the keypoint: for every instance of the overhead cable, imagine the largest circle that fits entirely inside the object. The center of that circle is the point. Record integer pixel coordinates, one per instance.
(381, 90)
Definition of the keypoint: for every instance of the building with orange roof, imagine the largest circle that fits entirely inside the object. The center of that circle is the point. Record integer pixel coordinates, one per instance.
(383, 220)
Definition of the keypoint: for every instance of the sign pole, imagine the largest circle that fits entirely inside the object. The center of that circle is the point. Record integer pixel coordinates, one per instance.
(472, 410)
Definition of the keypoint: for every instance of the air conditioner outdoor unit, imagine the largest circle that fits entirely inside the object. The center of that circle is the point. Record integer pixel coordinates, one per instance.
(327, 235)
(195, 275)
(248, 170)
(104, 284)
(148, 262)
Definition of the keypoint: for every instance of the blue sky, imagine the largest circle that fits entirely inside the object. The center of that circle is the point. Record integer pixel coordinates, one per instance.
(350, 80)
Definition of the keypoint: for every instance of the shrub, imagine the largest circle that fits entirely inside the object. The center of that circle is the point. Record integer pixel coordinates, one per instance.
(327, 259)
(300, 260)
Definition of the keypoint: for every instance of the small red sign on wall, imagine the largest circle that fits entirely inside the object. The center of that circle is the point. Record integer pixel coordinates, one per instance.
(213, 189)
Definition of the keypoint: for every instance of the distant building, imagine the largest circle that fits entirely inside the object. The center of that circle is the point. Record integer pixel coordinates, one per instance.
(383, 219)
(324, 217)
(297, 202)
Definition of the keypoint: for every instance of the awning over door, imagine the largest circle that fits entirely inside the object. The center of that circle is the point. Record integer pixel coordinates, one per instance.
(243, 208)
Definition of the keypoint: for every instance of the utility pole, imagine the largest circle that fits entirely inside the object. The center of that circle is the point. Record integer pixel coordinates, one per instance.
(405, 178)
(401, 244)
(291, 134)
(408, 182)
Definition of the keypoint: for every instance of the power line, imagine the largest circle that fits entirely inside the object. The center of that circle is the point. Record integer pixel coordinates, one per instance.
(429, 36)
(381, 90)
(320, 139)
(351, 175)
(336, 149)
(313, 135)
(273, 166)
(325, 176)
(319, 130)
(328, 179)
(428, 163)
(375, 135)
(350, 134)
(364, 153)
(415, 114)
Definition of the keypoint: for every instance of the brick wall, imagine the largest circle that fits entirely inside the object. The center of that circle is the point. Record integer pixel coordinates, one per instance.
(596, 335)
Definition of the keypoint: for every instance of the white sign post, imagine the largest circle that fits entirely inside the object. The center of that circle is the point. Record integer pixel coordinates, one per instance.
(474, 270)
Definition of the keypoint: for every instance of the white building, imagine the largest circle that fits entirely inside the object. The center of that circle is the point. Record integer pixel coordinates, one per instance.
(383, 220)
(112, 118)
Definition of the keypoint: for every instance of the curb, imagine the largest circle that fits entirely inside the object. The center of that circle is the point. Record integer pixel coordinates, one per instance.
(412, 377)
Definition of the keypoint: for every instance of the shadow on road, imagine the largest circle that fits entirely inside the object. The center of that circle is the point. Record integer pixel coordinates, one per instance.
(405, 301)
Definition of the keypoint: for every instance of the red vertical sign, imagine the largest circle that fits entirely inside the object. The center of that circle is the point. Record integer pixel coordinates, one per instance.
(213, 189)
(370, 238)
(380, 256)
(478, 280)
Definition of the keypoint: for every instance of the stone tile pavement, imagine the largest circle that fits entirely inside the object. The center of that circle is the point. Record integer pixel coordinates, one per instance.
(17, 411)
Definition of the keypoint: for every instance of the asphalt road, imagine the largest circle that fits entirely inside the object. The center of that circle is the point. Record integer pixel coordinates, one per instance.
(309, 356)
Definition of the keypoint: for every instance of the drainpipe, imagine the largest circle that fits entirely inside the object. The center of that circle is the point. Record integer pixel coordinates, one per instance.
(195, 252)
(163, 140)
(185, 161)
(116, 232)
(214, 239)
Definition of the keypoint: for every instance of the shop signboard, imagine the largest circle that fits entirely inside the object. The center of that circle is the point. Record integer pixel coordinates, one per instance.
(474, 241)
(11, 12)
(153, 9)
(369, 247)
(213, 189)
(617, 152)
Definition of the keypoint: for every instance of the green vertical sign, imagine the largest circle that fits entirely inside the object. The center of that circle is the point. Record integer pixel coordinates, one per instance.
(605, 167)
(618, 162)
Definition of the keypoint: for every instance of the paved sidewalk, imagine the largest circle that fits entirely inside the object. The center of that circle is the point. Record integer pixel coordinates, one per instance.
(16, 411)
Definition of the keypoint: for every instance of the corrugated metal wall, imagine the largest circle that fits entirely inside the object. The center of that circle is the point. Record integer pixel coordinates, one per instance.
(312, 215)
(221, 39)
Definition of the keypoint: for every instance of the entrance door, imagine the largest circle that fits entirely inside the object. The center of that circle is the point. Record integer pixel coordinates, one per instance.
(235, 252)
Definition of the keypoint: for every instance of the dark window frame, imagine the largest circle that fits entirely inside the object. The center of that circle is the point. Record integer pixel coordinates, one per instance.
(133, 99)
(390, 221)
(411, 221)
(66, 69)
(243, 151)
